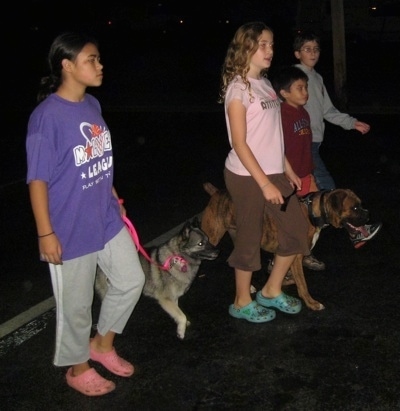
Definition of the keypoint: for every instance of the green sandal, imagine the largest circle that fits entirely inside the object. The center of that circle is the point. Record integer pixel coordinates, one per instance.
(282, 302)
(252, 312)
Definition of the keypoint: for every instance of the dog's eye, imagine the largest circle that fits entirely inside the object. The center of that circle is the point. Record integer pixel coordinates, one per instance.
(200, 243)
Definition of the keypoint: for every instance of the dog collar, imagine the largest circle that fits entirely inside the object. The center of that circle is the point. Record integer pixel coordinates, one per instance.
(317, 221)
(175, 260)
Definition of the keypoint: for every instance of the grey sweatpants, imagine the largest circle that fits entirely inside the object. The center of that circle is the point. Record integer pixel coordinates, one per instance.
(73, 287)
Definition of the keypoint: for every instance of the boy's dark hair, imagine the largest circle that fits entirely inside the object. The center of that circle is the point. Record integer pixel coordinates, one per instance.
(284, 78)
(303, 37)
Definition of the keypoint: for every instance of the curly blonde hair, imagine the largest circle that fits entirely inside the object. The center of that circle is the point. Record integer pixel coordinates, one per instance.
(240, 51)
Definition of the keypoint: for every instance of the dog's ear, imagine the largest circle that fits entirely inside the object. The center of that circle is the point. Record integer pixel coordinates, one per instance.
(336, 202)
(196, 222)
(186, 229)
(337, 206)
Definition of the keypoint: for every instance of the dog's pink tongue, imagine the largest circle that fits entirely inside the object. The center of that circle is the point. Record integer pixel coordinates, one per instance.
(362, 230)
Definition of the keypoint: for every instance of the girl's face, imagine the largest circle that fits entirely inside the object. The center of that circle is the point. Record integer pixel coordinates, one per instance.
(308, 54)
(87, 69)
(262, 58)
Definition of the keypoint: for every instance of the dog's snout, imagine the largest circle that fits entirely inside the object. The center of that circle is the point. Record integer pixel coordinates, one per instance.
(365, 213)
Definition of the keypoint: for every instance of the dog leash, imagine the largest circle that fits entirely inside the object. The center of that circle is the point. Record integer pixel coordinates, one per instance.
(170, 261)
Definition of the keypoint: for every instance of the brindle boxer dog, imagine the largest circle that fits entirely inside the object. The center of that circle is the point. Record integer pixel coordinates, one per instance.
(340, 208)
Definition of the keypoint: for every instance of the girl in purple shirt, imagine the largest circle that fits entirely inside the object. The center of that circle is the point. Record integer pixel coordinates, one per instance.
(78, 214)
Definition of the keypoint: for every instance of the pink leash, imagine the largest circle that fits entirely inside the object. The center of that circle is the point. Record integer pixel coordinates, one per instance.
(170, 260)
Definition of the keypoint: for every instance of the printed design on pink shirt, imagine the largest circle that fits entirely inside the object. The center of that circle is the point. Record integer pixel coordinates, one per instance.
(270, 104)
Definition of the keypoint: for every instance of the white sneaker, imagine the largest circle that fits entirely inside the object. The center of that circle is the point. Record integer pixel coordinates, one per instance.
(365, 233)
(309, 261)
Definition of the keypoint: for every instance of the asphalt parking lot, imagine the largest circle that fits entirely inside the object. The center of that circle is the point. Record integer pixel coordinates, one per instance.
(344, 357)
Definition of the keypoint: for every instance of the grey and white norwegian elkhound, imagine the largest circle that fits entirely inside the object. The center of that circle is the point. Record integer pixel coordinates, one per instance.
(172, 269)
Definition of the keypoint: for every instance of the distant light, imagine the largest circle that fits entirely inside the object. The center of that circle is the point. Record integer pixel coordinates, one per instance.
(180, 21)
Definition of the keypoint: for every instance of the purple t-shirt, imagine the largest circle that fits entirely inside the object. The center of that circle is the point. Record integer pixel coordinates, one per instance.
(69, 146)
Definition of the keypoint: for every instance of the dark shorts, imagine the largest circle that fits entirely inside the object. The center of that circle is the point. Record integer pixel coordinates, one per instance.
(308, 185)
(249, 205)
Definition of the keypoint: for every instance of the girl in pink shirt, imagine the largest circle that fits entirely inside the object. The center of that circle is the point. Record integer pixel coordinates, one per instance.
(257, 174)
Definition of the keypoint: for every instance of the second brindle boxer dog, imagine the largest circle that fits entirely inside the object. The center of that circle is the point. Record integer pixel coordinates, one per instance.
(340, 208)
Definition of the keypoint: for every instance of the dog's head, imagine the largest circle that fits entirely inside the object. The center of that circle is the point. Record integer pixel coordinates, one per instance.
(342, 208)
(195, 243)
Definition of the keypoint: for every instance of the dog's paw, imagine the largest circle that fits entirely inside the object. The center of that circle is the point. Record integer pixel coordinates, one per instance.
(315, 305)
(181, 329)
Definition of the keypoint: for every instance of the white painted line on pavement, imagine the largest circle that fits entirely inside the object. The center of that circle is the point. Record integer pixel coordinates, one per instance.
(37, 318)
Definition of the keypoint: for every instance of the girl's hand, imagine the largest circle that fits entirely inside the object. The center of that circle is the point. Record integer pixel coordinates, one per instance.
(272, 194)
(296, 182)
(294, 179)
(50, 249)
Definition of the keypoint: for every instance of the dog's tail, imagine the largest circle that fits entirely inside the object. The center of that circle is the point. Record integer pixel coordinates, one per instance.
(209, 188)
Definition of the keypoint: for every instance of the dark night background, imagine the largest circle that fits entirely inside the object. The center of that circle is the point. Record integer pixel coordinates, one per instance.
(155, 50)
(167, 56)
(160, 53)
(161, 75)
